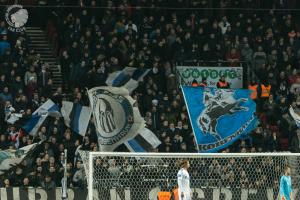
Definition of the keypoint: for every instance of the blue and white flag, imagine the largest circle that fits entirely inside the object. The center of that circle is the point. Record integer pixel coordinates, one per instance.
(295, 116)
(39, 116)
(128, 78)
(218, 116)
(76, 116)
(145, 141)
(116, 119)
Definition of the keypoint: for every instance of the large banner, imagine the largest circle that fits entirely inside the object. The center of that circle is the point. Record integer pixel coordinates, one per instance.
(234, 75)
(149, 193)
(19, 193)
(218, 116)
(116, 118)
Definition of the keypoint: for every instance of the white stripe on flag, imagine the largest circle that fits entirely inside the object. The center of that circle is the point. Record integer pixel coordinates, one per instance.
(111, 77)
(35, 127)
(34, 123)
(150, 137)
(65, 111)
(149, 142)
(143, 75)
(39, 116)
(129, 147)
(129, 78)
(84, 119)
(45, 107)
(131, 85)
(295, 116)
(80, 118)
(129, 70)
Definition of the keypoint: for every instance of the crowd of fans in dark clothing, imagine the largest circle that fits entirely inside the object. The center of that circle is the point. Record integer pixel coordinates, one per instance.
(94, 42)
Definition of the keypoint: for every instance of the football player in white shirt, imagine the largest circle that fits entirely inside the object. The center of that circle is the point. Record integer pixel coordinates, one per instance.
(183, 179)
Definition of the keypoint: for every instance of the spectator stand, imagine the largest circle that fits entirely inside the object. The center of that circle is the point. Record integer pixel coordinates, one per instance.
(99, 37)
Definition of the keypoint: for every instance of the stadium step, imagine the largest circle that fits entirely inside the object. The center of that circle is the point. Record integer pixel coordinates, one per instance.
(37, 35)
(48, 59)
(33, 28)
(44, 52)
(34, 31)
(46, 49)
(40, 43)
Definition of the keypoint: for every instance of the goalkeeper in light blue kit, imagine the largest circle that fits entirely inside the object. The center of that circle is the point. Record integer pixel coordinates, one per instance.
(285, 190)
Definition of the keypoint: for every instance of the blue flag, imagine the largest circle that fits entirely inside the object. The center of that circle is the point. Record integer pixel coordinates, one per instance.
(76, 116)
(40, 115)
(128, 78)
(145, 141)
(219, 116)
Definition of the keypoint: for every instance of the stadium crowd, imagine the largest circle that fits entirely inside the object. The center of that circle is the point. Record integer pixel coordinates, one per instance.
(93, 42)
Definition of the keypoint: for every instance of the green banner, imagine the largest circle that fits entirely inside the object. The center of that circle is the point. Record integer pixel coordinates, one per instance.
(233, 75)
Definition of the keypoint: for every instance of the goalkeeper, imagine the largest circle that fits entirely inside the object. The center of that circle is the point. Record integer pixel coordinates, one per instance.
(286, 185)
(183, 179)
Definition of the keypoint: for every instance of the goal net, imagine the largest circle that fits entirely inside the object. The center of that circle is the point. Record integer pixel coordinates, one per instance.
(142, 176)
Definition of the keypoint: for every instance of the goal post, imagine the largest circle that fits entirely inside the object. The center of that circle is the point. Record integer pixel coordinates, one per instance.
(214, 176)
(90, 172)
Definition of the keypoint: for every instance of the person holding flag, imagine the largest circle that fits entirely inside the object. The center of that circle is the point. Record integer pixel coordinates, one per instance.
(285, 189)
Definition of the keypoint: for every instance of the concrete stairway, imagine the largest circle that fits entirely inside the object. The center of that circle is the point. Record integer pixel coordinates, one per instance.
(39, 42)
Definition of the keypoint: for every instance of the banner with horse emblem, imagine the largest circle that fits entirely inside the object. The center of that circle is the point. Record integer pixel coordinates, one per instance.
(219, 117)
(116, 119)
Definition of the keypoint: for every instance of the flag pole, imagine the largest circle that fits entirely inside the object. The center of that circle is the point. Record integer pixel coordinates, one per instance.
(64, 186)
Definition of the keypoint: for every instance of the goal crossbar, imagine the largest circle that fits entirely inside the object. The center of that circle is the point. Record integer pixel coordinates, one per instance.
(192, 155)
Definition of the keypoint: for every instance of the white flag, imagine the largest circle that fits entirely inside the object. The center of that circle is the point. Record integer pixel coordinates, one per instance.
(116, 119)
(295, 116)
